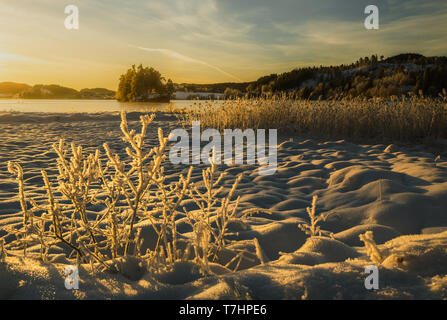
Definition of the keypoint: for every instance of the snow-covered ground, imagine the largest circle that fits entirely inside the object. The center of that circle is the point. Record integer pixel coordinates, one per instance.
(400, 194)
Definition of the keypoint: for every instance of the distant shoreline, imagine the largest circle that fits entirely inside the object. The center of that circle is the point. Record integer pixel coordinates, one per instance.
(98, 99)
(12, 98)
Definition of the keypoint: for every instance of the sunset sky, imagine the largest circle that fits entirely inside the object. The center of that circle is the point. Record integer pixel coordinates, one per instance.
(205, 41)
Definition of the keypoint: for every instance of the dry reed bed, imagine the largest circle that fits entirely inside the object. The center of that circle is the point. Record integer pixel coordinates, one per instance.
(402, 119)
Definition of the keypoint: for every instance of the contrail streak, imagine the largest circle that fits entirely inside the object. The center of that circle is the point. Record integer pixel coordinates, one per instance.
(182, 57)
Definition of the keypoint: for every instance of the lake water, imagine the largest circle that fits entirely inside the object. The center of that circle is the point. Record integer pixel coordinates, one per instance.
(89, 106)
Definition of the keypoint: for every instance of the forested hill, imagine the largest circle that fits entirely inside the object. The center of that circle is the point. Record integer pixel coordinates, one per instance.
(52, 91)
(9, 89)
(369, 77)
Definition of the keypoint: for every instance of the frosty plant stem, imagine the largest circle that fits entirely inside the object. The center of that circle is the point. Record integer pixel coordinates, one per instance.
(54, 211)
(2, 251)
(312, 229)
(75, 180)
(146, 173)
(16, 169)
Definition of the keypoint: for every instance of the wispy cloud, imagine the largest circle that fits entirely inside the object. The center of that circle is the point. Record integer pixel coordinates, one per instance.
(12, 57)
(179, 56)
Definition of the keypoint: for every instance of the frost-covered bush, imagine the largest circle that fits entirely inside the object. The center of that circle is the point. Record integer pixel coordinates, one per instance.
(371, 247)
(130, 191)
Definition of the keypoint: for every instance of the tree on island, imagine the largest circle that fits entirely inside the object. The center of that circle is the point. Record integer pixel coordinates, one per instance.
(144, 84)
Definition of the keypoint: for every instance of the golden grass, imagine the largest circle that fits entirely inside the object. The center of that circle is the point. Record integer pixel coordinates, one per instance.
(400, 119)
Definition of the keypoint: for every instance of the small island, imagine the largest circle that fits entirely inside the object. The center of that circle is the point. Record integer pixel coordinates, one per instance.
(144, 84)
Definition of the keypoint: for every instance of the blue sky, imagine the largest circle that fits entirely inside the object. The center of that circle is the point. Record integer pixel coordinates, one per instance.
(205, 40)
